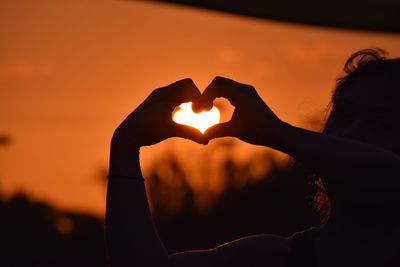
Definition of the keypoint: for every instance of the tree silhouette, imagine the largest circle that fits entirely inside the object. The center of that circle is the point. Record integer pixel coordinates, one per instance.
(260, 195)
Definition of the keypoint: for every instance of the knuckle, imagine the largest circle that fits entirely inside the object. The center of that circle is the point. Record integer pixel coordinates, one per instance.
(186, 81)
(218, 79)
(248, 89)
(157, 91)
(154, 92)
(184, 85)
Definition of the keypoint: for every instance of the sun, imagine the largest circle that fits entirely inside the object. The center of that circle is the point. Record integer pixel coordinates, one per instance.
(202, 121)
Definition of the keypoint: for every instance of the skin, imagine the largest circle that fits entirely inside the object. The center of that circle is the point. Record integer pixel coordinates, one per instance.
(364, 169)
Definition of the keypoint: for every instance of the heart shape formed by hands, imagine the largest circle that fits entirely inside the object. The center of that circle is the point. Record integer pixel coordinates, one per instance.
(184, 114)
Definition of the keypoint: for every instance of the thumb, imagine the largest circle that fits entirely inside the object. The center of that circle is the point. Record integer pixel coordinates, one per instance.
(187, 132)
(218, 130)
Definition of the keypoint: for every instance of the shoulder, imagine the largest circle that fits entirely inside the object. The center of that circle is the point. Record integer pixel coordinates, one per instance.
(257, 250)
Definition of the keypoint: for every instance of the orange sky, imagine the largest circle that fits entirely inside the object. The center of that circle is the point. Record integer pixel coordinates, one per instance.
(71, 70)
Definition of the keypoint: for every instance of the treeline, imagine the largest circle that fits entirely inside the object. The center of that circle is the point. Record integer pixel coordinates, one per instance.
(280, 202)
(35, 234)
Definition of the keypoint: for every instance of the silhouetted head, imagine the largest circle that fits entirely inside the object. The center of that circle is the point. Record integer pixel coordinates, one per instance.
(364, 107)
(365, 104)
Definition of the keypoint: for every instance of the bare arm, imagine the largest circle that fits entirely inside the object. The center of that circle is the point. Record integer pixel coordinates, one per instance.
(131, 236)
(341, 159)
(256, 251)
(337, 160)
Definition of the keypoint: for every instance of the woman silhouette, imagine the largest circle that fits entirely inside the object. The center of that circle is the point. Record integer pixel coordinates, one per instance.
(357, 157)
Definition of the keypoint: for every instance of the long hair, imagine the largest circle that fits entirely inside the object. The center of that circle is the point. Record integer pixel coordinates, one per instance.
(356, 64)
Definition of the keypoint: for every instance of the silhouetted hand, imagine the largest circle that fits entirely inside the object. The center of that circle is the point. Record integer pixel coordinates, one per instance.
(252, 120)
(152, 122)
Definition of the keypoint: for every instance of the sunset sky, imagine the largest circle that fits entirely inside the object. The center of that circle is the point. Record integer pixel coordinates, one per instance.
(70, 71)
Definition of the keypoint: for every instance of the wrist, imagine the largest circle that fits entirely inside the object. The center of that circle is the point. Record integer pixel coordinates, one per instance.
(124, 161)
(122, 140)
(281, 136)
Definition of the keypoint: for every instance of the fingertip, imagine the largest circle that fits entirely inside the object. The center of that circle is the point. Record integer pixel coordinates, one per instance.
(209, 135)
(207, 106)
(204, 140)
(188, 132)
(199, 107)
(196, 107)
(184, 81)
(189, 83)
(184, 90)
(218, 130)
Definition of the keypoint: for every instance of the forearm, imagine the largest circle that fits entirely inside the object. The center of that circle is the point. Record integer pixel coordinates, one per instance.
(132, 239)
(340, 159)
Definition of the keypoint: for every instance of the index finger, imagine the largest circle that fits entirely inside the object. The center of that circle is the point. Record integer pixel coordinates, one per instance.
(232, 90)
(177, 93)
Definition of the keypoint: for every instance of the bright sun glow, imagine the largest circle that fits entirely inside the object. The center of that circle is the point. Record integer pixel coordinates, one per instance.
(203, 120)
